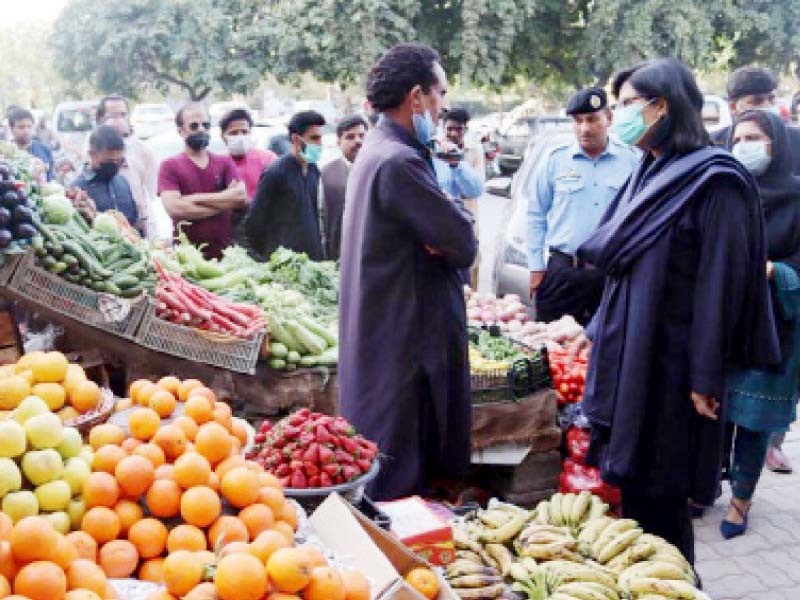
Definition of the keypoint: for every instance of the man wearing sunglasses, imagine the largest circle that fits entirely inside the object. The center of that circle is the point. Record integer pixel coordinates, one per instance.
(199, 187)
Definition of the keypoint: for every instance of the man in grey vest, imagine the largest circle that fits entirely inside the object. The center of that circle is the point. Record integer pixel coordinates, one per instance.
(350, 133)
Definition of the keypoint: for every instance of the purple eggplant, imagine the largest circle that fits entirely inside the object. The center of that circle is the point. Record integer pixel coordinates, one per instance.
(24, 231)
(22, 214)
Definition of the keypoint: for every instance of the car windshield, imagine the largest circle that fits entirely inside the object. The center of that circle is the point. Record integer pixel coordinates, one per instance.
(76, 119)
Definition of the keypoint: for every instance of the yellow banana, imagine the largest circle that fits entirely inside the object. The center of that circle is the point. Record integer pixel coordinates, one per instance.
(610, 532)
(580, 508)
(680, 590)
(543, 512)
(518, 572)
(618, 544)
(502, 556)
(580, 590)
(561, 572)
(507, 531)
(489, 592)
(590, 532)
(633, 554)
(598, 509)
(653, 570)
(556, 516)
(459, 568)
(474, 581)
(567, 502)
(469, 556)
(495, 518)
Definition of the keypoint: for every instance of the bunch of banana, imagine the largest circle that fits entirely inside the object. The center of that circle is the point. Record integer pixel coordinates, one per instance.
(571, 510)
(501, 522)
(584, 590)
(561, 572)
(529, 579)
(471, 575)
(480, 365)
(612, 539)
(545, 542)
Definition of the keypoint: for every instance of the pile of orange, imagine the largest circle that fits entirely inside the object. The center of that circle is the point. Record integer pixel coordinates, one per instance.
(49, 375)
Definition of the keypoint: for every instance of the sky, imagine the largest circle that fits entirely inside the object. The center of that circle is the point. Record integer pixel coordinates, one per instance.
(15, 11)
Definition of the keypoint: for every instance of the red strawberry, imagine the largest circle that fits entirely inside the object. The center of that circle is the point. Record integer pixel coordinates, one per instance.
(314, 481)
(283, 470)
(322, 435)
(332, 469)
(325, 455)
(363, 465)
(265, 427)
(344, 457)
(299, 480)
(311, 469)
(312, 454)
(349, 472)
(325, 480)
(284, 481)
(260, 438)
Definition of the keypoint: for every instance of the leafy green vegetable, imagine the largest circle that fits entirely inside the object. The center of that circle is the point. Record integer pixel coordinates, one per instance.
(57, 209)
(106, 224)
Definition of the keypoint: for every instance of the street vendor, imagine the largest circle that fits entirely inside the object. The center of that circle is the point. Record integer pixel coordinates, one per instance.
(21, 123)
(403, 371)
(570, 192)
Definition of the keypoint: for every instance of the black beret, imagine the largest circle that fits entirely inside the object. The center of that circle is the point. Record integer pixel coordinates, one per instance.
(587, 100)
(746, 81)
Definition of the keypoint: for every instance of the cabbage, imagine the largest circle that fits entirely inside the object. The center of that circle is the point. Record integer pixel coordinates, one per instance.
(51, 188)
(105, 223)
(57, 209)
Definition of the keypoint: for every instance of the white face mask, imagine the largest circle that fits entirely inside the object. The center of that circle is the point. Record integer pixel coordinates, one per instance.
(753, 155)
(238, 145)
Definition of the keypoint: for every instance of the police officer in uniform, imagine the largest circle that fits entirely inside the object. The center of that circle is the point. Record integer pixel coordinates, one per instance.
(568, 195)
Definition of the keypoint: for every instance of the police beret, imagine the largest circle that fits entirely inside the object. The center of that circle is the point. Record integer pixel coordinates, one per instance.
(587, 100)
(747, 81)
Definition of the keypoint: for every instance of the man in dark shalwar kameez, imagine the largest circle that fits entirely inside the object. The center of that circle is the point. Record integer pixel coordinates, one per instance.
(403, 370)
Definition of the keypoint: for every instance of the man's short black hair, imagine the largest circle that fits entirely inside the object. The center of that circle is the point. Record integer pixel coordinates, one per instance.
(750, 80)
(185, 107)
(301, 121)
(19, 114)
(459, 115)
(236, 114)
(101, 107)
(398, 71)
(106, 137)
(348, 123)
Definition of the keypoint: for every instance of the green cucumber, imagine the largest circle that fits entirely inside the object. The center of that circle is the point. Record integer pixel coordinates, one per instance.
(319, 330)
(48, 261)
(124, 280)
(57, 267)
(278, 350)
(277, 363)
(132, 292)
(293, 356)
(69, 259)
(308, 361)
(312, 343)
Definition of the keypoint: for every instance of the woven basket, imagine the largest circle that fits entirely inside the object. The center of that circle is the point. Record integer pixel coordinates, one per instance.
(86, 421)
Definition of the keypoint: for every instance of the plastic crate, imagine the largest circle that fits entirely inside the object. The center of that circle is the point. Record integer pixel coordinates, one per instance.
(103, 311)
(233, 354)
(10, 263)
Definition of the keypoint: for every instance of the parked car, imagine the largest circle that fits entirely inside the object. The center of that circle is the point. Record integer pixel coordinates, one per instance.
(510, 274)
(516, 138)
(151, 119)
(72, 123)
(716, 113)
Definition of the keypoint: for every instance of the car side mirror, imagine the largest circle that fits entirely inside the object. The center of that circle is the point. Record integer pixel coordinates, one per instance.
(499, 186)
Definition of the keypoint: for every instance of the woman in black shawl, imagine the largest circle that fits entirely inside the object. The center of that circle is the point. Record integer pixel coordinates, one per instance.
(686, 296)
(761, 402)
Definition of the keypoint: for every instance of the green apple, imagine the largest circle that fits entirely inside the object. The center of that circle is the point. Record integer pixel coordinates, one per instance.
(71, 444)
(41, 466)
(75, 474)
(76, 509)
(12, 439)
(44, 431)
(60, 521)
(19, 505)
(10, 477)
(31, 406)
(54, 495)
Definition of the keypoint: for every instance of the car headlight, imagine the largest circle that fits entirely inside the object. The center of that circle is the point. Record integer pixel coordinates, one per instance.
(514, 256)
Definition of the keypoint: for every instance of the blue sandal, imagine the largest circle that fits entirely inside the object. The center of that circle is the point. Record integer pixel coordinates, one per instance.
(731, 530)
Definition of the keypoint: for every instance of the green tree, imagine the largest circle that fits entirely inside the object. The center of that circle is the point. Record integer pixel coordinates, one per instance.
(132, 45)
(763, 32)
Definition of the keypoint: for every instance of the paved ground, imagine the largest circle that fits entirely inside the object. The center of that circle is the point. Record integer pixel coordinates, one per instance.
(764, 563)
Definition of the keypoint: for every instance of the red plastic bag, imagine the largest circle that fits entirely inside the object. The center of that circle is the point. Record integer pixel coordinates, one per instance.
(578, 443)
(576, 478)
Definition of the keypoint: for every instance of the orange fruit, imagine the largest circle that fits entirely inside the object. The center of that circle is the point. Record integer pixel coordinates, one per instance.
(118, 558)
(186, 537)
(27, 376)
(257, 518)
(272, 497)
(234, 548)
(183, 570)
(75, 374)
(149, 536)
(163, 499)
(5, 587)
(129, 512)
(288, 514)
(269, 480)
(144, 393)
(239, 430)
(283, 596)
(325, 584)
(9, 566)
(213, 481)
(152, 453)
(188, 425)
(356, 586)
(229, 464)
(172, 441)
(101, 523)
(314, 554)
(100, 489)
(63, 553)
(152, 570)
(134, 474)
(33, 538)
(41, 580)
(205, 392)
(191, 469)
(200, 506)
(266, 543)
(135, 388)
(53, 394)
(204, 591)
(106, 458)
(84, 395)
(67, 414)
(187, 386)
(123, 404)
(284, 528)
(241, 577)
(240, 487)
(225, 530)
(198, 408)
(253, 466)
(222, 415)
(85, 545)
(144, 423)
(162, 402)
(13, 390)
(424, 581)
(165, 471)
(81, 595)
(130, 444)
(87, 575)
(6, 525)
(207, 557)
(289, 569)
(50, 367)
(106, 433)
(170, 383)
(213, 441)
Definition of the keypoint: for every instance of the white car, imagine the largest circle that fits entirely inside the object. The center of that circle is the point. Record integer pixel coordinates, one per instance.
(151, 119)
(72, 124)
(716, 113)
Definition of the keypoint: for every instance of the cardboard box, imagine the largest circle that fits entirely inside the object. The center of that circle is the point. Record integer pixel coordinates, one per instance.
(422, 529)
(360, 544)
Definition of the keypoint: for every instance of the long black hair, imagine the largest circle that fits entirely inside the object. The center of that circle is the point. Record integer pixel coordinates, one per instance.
(681, 130)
